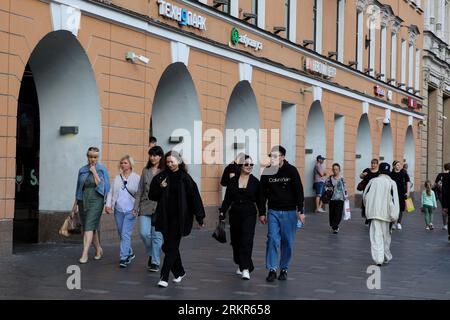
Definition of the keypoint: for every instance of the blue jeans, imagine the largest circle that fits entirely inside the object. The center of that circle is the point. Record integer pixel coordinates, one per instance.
(125, 222)
(152, 239)
(281, 234)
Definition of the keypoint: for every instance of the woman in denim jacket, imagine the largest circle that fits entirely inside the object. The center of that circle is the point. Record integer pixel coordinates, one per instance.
(92, 189)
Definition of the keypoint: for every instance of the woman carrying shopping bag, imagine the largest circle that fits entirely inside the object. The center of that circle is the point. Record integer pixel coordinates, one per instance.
(340, 194)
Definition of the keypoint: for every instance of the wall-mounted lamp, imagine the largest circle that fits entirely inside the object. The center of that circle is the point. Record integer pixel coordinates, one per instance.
(307, 90)
(400, 84)
(423, 123)
(390, 80)
(131, 56)
(379, 75)
(409, 88)
(352, 63)
(306, 43)
(248, 16)
(218, 3)
(68, 130)
(174, 139)
(368, 70)
(332, 54)
(416, 91)
(277, 30)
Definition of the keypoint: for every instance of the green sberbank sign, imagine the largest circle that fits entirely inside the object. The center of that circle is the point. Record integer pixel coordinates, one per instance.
(237, 38)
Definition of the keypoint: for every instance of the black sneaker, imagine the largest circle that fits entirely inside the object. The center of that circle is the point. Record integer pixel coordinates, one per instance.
(123, 263)
(271, 276)
(131, 258)
(149, 263)
(283, 275)
(153, 268)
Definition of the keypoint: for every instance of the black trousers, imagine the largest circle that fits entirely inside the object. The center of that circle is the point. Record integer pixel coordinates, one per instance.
(242, 232)
(172, 258)
(336, 207)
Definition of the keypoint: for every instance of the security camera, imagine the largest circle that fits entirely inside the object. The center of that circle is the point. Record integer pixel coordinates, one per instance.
(386, 121)
(131, 56)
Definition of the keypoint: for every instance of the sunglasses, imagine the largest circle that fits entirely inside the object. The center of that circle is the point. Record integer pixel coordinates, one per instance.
(247, 165)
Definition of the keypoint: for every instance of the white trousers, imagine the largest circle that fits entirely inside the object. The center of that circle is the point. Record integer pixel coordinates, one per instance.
(380, 240)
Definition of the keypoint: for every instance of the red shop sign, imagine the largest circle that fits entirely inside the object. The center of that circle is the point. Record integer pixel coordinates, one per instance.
(379, 91)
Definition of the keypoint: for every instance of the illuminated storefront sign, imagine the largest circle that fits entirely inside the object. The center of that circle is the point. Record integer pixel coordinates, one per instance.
(317, 67)
(245, 40)
(183, 16)
(379, 91)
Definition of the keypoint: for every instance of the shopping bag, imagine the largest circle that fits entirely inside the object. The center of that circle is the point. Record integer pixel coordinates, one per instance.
(64, 230)
(220, 234)
(347, 212)
(74, 226)
(409, 205)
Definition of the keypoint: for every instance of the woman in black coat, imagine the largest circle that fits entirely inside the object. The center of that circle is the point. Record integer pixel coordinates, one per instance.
(243, 196)
(178, 202)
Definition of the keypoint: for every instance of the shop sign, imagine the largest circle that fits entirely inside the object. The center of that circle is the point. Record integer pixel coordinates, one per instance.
(379, 91)
(317, 67)
(412, 103)
(183, 16)
(245, 40)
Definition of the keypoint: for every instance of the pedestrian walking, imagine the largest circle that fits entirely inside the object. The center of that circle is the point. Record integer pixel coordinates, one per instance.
(282, 188)
(242, 197)
(367, 175)
(231, 170)
(320, 175)
(428, 204)
(402, 180)
(179, 202)
(340, 193)
(145, 208)
(446, 195)
(120, 201)
(91, 191)
(437, 188)
(382, 207)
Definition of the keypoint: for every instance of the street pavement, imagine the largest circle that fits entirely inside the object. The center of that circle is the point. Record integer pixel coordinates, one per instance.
(324, 266)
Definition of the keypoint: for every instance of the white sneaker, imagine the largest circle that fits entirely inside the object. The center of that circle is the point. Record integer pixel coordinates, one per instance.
(246, 274)
(399, 226)
(163, 284)
(239, 272)
(445, 227)
(321, 210)
(178, 280)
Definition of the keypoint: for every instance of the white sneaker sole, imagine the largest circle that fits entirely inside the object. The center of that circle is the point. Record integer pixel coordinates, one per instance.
(178, 280)
(163, 284)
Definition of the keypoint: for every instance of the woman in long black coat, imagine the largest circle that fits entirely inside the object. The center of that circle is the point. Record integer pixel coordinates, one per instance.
(179, 202)
(242, 197)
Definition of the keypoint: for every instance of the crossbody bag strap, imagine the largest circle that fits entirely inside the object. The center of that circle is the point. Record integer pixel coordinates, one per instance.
(123, 182)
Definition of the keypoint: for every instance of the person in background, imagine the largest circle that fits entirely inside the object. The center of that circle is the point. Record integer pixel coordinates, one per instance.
(120, 200)
(232, 170)
(367, 175)
(320, 175)
(91, 191)
(340, 194)
(145, 208)
(428, 204)
(438, 192)
(152, 142)
(243, 195)
(179, 202)
(382, 208)
(446, 195)
(282, 188)
(402, 180)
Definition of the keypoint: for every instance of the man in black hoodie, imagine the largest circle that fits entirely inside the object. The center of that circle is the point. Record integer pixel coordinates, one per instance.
(282, 187)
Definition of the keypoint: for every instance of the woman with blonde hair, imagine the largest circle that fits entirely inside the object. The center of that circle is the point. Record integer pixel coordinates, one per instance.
(92, 188)
(121, 199)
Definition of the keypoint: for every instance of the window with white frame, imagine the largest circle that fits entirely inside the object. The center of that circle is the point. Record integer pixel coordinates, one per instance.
(417, 73)
(403, 66)
(393, 56)
(317, 20)
(410, 67)
(340, 30)
(383, 53)
(359, 39)
(287, 17)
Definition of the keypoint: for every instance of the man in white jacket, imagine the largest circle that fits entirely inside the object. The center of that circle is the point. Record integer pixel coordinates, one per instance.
(381, 202)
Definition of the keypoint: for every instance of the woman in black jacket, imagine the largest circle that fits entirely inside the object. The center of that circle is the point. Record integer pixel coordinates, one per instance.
(178, 202)
(243, 196)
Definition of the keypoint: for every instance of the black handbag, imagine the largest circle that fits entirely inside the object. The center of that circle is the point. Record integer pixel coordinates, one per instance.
(328, 191)
(219, 234)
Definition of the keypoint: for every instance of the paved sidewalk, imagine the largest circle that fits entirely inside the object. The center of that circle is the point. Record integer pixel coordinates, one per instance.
(324, 266)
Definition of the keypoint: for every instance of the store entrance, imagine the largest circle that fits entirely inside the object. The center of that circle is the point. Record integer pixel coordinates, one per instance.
(26, 217)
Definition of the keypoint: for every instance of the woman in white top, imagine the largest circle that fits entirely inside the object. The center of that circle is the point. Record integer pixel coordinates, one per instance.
(121, 199)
